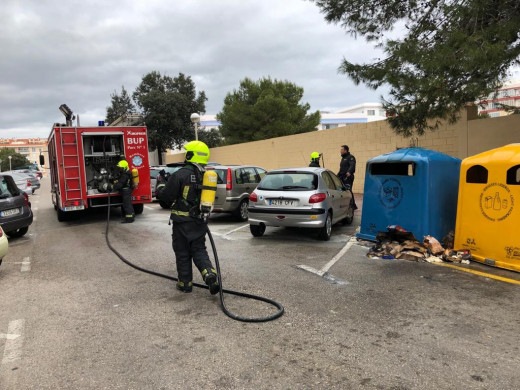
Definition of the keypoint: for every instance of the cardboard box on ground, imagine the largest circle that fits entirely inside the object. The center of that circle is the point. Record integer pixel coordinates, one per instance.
(397, 243)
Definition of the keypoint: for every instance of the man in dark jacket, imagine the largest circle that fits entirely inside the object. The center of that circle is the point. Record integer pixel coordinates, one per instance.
(347, 168)
(123, 184)
(183, 190)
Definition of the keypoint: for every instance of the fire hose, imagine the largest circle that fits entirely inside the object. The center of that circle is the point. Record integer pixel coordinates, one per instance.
(274, 316)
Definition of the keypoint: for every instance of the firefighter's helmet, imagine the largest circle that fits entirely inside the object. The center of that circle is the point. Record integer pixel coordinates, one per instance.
(197, 152)
(315, 156)
(123, 164)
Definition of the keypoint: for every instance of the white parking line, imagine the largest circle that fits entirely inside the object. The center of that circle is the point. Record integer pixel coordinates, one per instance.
(344, 250)
(149, 208)
(221, 235)
(26, 264)
(14, 341)
(225, 235)
(327, 266)
(234, 230)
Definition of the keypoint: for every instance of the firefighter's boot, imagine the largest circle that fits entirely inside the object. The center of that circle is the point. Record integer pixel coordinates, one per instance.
(186, 287)
(210, 278)
(128, 219)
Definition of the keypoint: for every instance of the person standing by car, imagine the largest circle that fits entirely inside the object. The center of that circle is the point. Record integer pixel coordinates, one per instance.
(347, 168)
(123, 184)
(183, 190)
(315, 160)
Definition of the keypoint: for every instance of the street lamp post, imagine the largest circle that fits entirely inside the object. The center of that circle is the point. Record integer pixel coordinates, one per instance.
(10, 157)
(195, 118)
(0, 165)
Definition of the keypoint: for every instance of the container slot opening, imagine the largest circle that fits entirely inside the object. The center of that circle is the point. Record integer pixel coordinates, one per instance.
(477, 174)
(513, 175)
(394, 169)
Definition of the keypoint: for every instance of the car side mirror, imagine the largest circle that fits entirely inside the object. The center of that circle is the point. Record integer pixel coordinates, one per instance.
(42, 160)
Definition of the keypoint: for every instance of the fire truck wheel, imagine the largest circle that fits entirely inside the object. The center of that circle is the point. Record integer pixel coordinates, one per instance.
(62, 215)
(138, 208)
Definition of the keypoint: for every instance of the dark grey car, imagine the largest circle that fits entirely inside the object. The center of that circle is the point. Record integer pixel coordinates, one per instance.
(234, 185)
(15, 210)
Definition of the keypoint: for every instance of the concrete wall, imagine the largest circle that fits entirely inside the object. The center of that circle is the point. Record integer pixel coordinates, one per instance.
(368, 140)
(486, 134)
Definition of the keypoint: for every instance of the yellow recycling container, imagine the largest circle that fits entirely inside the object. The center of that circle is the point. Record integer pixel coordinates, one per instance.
(488, 210)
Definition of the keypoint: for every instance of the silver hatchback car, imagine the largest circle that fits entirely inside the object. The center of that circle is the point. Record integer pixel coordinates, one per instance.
(35, 182)
(300, 197)
(234, 184)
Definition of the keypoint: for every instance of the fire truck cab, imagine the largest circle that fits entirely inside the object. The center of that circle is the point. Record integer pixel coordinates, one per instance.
(82, 163)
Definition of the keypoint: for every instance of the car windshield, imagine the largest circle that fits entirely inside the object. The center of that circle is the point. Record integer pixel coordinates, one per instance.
(289, 181)
(154, 172)
(221, 175)
(7, 188)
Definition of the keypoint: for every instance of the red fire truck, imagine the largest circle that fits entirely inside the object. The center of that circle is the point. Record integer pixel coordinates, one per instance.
(82, 163)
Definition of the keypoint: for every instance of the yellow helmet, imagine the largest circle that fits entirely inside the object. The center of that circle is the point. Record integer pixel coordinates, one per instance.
(197, 152)
(123, 164)
(314, 156)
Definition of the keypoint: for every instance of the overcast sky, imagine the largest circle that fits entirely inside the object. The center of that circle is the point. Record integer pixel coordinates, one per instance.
(80, 52)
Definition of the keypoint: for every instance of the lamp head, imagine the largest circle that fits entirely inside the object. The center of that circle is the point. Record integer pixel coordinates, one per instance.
(195, 118)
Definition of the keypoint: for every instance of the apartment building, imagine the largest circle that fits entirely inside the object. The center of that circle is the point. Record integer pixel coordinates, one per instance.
(31, 148)
(509, 95)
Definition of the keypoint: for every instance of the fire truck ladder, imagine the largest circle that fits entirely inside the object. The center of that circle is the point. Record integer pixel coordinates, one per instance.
(70, 165)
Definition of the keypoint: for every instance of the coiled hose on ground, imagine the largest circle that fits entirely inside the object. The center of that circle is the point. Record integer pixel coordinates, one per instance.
(221, 292)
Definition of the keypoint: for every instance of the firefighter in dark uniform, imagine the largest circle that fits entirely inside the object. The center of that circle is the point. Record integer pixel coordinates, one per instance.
(183, 190)
(315, 160)
(347, 168)
(123, 184)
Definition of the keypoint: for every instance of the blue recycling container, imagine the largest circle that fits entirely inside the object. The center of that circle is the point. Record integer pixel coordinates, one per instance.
(414, 188)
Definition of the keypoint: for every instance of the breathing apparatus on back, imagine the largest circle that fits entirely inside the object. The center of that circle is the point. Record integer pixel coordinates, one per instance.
(197, 153)
(135, 177)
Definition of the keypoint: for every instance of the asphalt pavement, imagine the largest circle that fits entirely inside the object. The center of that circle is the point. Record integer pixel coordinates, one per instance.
(73, 316)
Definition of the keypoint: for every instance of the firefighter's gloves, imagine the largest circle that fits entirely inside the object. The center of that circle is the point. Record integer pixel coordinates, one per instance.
(108, 187)
(159, 188)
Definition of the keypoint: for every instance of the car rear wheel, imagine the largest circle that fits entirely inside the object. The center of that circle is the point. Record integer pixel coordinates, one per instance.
(326, 230)
(18, 232)
(241, 213)
(164, 205)
(257, 230)
(138, 208)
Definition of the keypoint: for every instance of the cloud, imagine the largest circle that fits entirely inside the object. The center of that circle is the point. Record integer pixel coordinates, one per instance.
(80, 52)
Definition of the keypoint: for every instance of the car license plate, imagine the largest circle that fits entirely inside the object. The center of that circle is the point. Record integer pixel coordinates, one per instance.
(73, 208)
(282, 202)
(7, 213)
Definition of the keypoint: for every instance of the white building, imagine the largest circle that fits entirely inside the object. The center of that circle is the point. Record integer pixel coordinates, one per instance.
(508, 95)
(360, 113)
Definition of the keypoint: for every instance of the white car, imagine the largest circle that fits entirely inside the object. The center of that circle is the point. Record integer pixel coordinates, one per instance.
(4, 245)
(22, 182)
